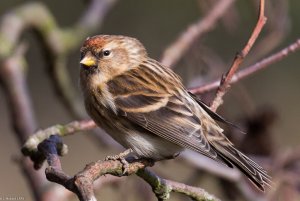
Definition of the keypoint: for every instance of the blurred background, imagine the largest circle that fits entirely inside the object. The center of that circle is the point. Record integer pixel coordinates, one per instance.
(268, 98)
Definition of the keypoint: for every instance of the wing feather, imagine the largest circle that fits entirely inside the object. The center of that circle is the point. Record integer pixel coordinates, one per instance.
(173, 121)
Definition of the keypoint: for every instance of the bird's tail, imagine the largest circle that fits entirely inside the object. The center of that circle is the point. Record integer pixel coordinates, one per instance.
(228, 153)
(251, 169)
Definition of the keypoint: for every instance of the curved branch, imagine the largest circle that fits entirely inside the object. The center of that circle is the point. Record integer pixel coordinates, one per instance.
(225, 81)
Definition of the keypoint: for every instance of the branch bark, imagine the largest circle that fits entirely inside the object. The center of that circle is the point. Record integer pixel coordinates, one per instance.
(82, 183)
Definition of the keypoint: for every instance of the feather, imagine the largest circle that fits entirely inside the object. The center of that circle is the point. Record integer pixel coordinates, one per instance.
(213, 114)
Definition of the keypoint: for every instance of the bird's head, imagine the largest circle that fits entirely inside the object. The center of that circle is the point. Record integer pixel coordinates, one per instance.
(111, 55)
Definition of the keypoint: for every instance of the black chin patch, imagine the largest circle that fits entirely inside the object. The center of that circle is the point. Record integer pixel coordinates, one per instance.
(89, 69)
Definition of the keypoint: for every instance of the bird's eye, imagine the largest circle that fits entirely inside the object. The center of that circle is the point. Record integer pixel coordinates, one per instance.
(106, 53)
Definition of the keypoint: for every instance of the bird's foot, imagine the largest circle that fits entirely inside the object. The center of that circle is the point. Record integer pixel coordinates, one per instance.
(121, 157)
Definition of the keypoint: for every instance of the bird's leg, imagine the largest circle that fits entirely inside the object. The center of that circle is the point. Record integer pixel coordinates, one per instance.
(121, 157)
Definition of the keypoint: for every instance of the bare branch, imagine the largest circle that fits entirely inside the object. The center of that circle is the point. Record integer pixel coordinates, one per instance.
(225, 81)
(275, 31)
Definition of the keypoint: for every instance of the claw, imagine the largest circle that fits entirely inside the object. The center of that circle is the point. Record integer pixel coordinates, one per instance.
(121, 157)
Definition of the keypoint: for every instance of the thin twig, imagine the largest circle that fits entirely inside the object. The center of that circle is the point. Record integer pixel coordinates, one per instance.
(225, 81)
(176, 50)
(260, 65)
(276, 30)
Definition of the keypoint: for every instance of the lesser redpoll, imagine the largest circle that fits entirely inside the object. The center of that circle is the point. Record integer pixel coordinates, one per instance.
(145, 107)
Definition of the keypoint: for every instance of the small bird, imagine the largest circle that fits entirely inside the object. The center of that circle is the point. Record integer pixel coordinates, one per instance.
(144, 106)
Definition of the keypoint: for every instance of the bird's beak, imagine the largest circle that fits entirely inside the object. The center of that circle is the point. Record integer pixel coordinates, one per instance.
(88, 61)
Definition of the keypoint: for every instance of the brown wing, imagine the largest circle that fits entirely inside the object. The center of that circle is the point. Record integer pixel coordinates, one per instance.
(213, 114)
(145, 98)
(168, 117)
